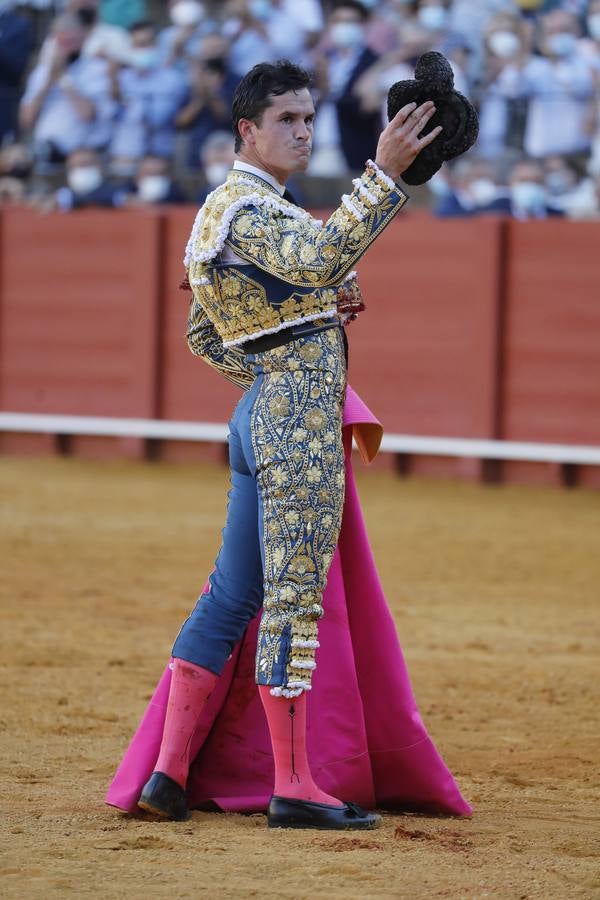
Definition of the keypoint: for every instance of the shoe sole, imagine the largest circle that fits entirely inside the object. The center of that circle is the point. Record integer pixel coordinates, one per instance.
(369, 826)
(148, 807)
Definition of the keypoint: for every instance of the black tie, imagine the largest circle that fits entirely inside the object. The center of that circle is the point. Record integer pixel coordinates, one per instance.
(289, 197)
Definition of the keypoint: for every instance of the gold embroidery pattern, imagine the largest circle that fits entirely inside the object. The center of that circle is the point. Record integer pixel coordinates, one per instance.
(301, 252)
(296, 429)
(239, 307)
(287, 243)
(204, 341)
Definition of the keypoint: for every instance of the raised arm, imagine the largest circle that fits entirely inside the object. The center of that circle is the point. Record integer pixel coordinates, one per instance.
(288, 243)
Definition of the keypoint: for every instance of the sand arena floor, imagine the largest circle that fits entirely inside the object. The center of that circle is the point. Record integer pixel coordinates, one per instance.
(495, 593)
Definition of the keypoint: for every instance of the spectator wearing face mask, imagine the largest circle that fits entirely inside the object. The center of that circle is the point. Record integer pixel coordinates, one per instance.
(427, 26)
(216, 158)
(208, 105)
(153, 184)
(86, 185)
(559, 87)
(467, 188)
(373, 86)
(472, 19)
(180, 41)
(149, 95)
(571, 190)
(502, 118)
(528, 198)
(433, 17)
(68, 102)
(341, 120)
(16, 42)
(267, 30)
(246, 28)
(101, 39)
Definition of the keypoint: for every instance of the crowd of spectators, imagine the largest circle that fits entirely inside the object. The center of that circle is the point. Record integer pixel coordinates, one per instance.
(125, 102)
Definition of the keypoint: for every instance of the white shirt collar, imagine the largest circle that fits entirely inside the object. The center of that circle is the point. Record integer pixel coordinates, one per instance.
(246, 167)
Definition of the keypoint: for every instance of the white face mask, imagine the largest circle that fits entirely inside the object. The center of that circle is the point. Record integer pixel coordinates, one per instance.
(143, 58)
(438, 186)
(593, 24)
(346, 34)
(433, 18)
(261, 9)
(504, 43)
(558, 182)
(562, 44)
(152, 188)
(186, 13)
(216, 173)
(528, 196)
(84, 179)
(483, 191)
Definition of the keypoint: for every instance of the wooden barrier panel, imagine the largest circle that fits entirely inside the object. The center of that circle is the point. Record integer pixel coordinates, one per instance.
(473, 329)
(424, 353)
(551, 356)
(79, 296)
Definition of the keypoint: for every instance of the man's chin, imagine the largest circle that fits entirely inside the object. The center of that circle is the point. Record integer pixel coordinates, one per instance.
(302, 164)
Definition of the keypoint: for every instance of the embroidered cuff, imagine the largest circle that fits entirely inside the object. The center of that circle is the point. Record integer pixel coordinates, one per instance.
(380, 175)
(373, 187)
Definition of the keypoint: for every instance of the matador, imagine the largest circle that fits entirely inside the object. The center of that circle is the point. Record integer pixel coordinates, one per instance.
(267, 280)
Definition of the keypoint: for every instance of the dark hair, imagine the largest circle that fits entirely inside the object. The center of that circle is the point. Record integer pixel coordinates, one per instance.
(355, 5)
(142, 25)
(253, 94)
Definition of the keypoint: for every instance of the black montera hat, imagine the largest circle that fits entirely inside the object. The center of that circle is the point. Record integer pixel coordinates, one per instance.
(434, 80)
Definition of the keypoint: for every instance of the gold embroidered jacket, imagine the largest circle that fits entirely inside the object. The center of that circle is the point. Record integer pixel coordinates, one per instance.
(293, 263)
(204, 341)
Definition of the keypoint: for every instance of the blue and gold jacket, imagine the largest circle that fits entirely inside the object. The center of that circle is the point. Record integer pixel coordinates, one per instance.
(290, 265)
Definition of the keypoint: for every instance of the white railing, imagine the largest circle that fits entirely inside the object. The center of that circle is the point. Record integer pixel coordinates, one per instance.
(161, 429)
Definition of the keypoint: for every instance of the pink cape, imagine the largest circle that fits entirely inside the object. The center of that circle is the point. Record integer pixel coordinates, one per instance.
(366, 739)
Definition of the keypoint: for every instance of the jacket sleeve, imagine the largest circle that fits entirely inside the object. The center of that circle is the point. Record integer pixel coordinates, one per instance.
(204, 341)
(288, 243)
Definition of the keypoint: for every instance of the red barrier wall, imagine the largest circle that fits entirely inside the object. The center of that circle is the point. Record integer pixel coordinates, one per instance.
(424, 353)
(473, 328)
(551, 338)
(79, 314)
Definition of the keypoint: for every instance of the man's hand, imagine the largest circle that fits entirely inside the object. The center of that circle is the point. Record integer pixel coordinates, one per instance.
(399, 143)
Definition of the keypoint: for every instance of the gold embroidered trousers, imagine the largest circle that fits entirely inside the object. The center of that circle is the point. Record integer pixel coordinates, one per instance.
(284, 515)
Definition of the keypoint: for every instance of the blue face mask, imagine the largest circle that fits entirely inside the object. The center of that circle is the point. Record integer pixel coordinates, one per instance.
(346, 34)
(562, 44)
(143, 58)
(261, 9)
(433, 18)
(528, 196)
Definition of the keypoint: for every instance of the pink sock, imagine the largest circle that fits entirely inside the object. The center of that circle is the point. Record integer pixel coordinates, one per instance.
(191, 686)
(286, 718)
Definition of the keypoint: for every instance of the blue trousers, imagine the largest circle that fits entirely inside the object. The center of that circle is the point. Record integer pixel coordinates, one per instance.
(283, 516)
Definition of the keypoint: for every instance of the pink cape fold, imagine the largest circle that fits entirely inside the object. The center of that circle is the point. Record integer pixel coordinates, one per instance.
(366, 739)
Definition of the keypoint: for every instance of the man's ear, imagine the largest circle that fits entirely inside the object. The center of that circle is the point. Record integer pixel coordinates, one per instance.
(246, 129)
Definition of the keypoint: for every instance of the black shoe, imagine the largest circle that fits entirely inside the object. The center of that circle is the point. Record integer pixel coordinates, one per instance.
(164, 797)
(285, 812)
